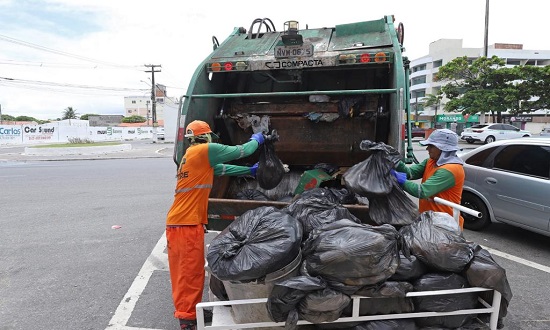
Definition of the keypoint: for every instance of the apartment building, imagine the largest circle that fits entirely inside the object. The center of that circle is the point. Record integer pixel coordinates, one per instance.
(142, 106)
(424, 70)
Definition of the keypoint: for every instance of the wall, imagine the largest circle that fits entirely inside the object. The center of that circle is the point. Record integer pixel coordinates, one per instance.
(54, 133)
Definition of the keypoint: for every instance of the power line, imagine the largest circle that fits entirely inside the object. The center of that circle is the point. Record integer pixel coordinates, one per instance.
(58, 52)
(54, 65)
(61, 87)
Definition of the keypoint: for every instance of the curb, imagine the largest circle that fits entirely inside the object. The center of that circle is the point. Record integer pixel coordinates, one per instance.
(98, 150)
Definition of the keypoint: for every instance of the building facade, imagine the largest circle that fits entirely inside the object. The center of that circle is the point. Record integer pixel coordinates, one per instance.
(423, 73)
(142, 105)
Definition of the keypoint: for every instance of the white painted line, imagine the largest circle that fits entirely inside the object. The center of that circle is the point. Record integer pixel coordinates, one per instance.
(155, 261)
(518, 259)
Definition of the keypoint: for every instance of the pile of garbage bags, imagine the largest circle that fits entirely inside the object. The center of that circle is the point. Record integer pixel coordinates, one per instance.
(343, 256)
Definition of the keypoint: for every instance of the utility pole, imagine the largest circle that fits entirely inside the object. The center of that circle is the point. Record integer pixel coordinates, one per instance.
(153, 98)
(485, 47)
(486, 35)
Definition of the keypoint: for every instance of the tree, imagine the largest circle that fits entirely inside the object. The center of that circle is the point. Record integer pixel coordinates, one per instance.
(433, 100)
(480, 86)
(134, 119)
(86, 116)
(69, 113)
(534, 87)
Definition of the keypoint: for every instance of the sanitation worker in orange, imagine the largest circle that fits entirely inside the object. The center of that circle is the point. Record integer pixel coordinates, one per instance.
(442, 174)
(188, 215)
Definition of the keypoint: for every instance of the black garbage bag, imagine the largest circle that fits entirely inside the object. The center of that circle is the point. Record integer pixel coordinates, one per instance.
(330, 169)
(270, 168)
(252, 194)
(336, 195)
(370, 177)
(305, 297)
(399, 324)
(410, 268)
(437, 247)
(484, 272)
(259, 242)
(350, 106)
(386, 298)
(352, 254)
(443, 303)
(395, 209)
(318, 208)
(390, 153)
(217, 288)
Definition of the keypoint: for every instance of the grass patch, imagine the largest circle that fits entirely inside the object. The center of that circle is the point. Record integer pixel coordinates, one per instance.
(72, 145)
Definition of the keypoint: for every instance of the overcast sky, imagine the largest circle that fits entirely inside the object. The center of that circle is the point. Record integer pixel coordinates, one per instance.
(50, 47)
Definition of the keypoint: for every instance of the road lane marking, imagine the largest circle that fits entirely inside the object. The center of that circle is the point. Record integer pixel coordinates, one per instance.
(157, 260)
(518, 259)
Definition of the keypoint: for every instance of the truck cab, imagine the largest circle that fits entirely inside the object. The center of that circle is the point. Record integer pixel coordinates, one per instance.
(324, 90)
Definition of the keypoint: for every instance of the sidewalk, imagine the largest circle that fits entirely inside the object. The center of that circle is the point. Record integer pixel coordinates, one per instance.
(127, 149)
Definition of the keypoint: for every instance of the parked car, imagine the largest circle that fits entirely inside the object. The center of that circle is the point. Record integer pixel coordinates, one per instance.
(160, 133)
(545, 131)
(509, 181)
(418, 132)
(488, 133)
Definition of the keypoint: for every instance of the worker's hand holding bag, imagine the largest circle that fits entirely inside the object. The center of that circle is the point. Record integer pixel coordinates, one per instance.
(270, 168)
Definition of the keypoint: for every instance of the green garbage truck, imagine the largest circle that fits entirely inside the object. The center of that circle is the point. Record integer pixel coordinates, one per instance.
(324, 90)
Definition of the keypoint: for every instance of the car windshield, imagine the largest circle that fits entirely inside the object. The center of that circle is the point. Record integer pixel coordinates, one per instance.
(479, 126)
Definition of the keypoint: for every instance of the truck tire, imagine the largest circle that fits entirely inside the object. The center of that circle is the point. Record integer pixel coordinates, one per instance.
(473, 202)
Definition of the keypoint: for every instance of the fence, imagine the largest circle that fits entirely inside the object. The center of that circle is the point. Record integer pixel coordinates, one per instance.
(55, 132)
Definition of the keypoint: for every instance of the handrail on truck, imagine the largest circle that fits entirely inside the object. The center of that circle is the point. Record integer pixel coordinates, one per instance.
(218, 306)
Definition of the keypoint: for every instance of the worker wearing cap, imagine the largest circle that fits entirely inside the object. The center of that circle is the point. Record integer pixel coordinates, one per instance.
(442, 174)
(188, 215)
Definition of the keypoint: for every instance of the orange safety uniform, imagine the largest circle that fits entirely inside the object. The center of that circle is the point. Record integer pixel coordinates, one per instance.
(188, 215)
(452, 194)
(445, 181)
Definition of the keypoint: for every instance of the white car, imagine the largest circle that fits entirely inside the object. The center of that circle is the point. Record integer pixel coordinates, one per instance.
(488, 133)
(160, 133)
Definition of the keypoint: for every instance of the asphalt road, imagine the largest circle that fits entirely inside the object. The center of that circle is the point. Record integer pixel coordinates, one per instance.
(63, 266)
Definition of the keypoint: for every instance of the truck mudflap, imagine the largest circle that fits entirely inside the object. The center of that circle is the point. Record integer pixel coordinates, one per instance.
(222, 211)
(222, 316)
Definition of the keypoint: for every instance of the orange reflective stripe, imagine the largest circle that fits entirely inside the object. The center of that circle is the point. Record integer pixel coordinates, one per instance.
(199, 186)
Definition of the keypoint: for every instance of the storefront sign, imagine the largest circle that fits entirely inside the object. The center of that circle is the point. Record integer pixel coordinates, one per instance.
(457, 118)
(521, 119)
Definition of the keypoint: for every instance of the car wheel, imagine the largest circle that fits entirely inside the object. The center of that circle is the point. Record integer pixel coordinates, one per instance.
(473, 202)
(470, 141)
(490, 139)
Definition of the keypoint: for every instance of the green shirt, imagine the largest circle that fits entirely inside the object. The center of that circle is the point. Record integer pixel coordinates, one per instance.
(219, 154)
(440, 181)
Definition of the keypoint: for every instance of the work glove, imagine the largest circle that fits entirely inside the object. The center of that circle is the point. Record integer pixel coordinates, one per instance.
(259, 137)
(400, 176)
(253, 169)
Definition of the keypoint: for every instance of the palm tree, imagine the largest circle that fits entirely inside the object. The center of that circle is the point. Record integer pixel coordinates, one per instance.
(69, 113)
(435, 101)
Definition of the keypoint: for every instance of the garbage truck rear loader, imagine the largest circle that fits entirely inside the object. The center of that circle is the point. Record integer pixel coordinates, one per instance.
(323, 90)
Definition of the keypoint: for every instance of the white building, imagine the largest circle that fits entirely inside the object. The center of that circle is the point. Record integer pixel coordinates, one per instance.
(142, 105)
(425, 68)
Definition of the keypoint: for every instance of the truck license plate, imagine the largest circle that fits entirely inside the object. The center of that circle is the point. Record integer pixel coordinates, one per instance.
(294, 51)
